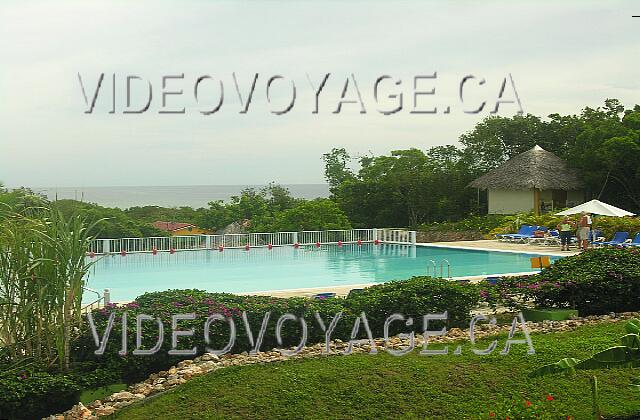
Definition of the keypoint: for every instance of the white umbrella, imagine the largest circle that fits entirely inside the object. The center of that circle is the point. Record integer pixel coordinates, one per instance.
(596, 207)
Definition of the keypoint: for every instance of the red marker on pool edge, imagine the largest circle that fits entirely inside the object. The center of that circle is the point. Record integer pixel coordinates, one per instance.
(376, 242)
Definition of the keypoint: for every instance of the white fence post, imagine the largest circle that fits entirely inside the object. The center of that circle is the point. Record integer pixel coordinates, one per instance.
(107, 297)
(233, 240)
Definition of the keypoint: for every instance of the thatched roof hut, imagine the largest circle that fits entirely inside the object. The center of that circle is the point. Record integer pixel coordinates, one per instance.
(535, 168)
(530, 180)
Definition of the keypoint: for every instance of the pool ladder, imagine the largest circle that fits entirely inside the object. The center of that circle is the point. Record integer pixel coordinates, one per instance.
(434, 265)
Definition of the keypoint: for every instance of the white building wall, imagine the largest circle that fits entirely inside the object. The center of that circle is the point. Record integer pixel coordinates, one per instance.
(510, 201)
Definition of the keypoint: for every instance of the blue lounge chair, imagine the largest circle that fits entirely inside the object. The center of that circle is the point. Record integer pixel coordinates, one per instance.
(618, 239)
(595, 235)
(525, 231)
(522, 230)
(634, 242)
(326, 295)
(529, 234)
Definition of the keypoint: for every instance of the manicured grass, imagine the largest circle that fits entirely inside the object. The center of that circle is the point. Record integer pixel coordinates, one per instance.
(412, 386)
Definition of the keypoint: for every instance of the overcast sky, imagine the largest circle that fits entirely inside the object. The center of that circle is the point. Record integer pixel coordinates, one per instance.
(561, 58)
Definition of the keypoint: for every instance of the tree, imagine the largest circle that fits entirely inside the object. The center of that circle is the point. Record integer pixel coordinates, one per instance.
(318, 214)
(407, 188)
(260, 206)
(111, 222)
(335, 167)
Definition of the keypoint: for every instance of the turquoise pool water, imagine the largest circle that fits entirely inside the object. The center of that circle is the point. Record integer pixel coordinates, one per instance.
(260, 269)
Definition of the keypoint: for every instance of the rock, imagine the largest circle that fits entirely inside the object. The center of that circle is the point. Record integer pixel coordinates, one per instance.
(208, 357)
(95, 404)
(207, 366)
(122, 396)
(174, 382)
(142, 388)
(104, 411)
(122, 404)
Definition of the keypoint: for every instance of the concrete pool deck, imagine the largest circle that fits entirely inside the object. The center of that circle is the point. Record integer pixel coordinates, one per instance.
(482, 245)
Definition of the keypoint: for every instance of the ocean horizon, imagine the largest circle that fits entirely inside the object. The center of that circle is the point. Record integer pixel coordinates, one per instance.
(168, 196)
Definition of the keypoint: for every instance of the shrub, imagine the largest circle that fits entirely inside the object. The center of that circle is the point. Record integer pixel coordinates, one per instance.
(598, 281)
(608, 225)
(203, 304)
(483, 224)
(414, 298)
(29, 396)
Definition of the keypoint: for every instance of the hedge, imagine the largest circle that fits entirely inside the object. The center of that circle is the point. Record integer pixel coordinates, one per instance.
(598, 281)
(414, 297)
(26, 395)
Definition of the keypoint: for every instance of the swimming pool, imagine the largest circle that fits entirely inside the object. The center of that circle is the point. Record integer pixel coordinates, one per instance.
(261, 269)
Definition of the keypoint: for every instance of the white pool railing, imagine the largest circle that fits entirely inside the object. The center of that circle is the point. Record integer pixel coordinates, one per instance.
(241, 240)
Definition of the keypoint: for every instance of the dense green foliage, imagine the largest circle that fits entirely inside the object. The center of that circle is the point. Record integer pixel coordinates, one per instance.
(412, 187)
(412, 386)
(268, 209)
(598, 281)
(318, 214)
(483, 224)
(493, 224)
(414, 297)
(113, 222)
(32, 396)
(407, 188)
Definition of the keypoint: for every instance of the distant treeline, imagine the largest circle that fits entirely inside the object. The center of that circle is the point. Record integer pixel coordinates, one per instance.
(413, 187)
(408, 188)
(268, 209)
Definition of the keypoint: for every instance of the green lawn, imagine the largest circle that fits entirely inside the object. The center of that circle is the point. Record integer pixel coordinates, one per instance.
(91, 395)
(412, 386)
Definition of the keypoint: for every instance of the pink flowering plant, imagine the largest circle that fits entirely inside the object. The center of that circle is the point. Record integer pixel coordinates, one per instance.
(598, 281)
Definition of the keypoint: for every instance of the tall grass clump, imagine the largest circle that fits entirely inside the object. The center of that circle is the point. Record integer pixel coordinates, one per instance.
(43, 269)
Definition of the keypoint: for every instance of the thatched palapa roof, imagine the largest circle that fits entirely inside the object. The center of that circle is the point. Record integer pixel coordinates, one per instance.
(535, 168)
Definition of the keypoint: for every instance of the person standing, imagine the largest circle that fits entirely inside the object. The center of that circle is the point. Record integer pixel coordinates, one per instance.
(565, 230)
(585, 230)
